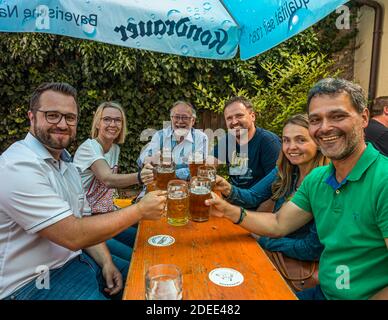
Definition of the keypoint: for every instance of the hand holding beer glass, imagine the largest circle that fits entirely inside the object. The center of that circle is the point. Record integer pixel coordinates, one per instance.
(208, 171)
(147, 174)
(177, 203)
(195, 160)
(149, 181)
(165, 172)
(151, 186)
(200, 190)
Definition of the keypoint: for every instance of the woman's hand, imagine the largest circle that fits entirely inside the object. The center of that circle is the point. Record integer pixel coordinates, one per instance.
(223, 186)
(147, 173)
(219, 207)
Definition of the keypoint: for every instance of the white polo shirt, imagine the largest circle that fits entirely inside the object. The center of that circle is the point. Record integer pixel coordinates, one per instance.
(36, 191)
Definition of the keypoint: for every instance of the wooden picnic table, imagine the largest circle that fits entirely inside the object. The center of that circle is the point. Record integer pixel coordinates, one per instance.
(198, 249)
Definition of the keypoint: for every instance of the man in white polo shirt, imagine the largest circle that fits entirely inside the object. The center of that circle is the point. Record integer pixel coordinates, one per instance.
(43, 212)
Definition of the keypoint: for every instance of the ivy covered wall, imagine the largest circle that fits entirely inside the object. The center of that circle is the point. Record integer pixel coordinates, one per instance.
(147, 83)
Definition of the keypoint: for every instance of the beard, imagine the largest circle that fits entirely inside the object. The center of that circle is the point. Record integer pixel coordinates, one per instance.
(240, 133)
(45, 137)
(181, 132)
(352, 140)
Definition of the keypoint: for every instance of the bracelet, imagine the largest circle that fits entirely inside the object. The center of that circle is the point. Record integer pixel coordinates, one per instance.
(139, 177)
(243, 214)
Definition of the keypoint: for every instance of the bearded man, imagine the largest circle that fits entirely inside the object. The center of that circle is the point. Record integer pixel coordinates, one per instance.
(347, 199)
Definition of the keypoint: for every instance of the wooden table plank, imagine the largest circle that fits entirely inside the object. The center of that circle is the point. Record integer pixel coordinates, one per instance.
(200, 248)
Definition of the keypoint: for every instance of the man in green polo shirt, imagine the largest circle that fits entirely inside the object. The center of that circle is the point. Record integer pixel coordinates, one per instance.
(348, 199)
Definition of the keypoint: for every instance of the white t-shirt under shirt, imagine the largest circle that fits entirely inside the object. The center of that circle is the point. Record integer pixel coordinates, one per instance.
(99, 196)
(36, 191)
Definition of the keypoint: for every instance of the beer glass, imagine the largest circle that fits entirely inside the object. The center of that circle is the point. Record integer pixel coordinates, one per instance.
(151, 186)
(200, 188)
(208, 171)
(163, 282)
(177, 203)
(195, 161)
(165, 172)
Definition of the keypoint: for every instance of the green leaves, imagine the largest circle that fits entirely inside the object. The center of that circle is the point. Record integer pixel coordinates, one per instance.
(277, 82)
(147, 83)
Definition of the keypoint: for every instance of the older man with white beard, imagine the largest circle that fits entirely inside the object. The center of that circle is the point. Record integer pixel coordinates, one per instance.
(179, 140)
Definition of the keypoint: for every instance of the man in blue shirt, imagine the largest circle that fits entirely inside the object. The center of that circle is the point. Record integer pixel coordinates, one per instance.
(249, 151)
(179, 140)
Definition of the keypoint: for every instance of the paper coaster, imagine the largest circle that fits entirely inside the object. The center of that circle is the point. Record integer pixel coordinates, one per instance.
(226, 277)
(161, 240)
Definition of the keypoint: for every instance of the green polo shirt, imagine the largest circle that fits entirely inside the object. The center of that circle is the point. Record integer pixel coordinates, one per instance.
(352, 222)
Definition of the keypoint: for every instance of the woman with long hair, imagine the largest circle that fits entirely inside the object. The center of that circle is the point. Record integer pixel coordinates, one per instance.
(97, 161)
(299, 155)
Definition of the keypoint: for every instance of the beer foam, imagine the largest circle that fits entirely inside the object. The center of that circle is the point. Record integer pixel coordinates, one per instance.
(196, 157)
(200, 190)
(166, 151)
(165, 170)
(177, 195)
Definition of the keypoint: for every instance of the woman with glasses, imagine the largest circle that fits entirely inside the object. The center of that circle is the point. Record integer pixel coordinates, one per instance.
(97, 161)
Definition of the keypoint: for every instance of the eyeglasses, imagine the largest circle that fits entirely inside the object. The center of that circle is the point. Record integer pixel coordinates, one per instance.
(54, 117)
(108, 120)
(183, 118)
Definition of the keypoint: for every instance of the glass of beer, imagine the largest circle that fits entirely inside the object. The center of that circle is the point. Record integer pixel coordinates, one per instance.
(177, 203)
(195, 161)
(208, 171)
(200, 188)
(165, 172)
(151, 186)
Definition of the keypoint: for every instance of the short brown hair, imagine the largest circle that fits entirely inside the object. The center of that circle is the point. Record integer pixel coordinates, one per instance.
(378, 106)
(247, 103)
(61, 87)
(336, 86)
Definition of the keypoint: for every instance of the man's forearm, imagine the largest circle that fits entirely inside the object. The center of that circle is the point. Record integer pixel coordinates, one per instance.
(121, 180)
(263, 223)
(381, 295)
(100, 253)
(98, 228)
